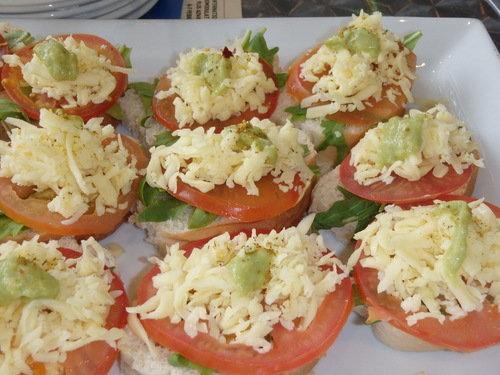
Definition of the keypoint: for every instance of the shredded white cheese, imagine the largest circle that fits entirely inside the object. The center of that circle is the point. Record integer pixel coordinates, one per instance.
(201, 291)
(67, 156)
(407, 248)
(46, 329)
(94, 84)
(204, 159)
(446, 143)
(247, 87)
(346, 81)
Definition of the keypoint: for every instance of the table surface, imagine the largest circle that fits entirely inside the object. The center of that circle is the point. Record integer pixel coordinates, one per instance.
(324, 8)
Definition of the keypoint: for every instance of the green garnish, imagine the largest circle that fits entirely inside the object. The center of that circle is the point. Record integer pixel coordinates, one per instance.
(178, 360)
(410, 40)
(11, 109)
(146, 91)
(343, 212)
(334, 136)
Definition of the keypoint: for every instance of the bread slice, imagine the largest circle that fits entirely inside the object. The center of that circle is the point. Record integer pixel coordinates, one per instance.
(324, 195)
(137, 359)
(172, 231)
(394, 337)
(134, 112)
(399, 340)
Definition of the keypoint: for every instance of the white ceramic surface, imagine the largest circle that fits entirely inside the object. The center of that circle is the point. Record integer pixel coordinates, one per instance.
(457, 61)
(134, 10)
(139, 12)
(83, 9)
(39, 6)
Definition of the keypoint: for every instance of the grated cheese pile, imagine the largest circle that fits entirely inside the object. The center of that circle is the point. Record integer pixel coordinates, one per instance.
(201, 291)
(94, 84)
(348, 80)
(446, 143)
(247, 87)
(45, 329)
(68, 157)
(204, 159)
(408, 247)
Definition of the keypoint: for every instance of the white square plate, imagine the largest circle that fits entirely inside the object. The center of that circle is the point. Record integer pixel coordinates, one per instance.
(457, 62)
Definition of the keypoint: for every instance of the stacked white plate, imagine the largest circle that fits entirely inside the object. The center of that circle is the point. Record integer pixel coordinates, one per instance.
(111, 9)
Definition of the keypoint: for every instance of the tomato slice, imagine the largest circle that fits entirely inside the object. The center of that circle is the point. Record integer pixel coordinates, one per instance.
(12, 81)
(96, 357)
(34, 214)
(375, 112)
(236, 204)
(164, 109)
(401, 190)
(478, 330)
(291, 349)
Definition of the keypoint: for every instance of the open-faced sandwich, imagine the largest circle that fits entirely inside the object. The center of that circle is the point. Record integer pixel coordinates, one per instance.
(428, 274)
(419, 156)
(200, 183)
(62, 308)
(209, 87)
(80, 73)
(253, 302)
(67, 177)
(358, 77)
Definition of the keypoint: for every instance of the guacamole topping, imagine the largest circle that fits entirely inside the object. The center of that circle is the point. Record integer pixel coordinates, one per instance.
(461, 215)
(252, 136)
(401, 137)
(21, 278)
(356, 41)
(61, 63)
(250, 271)
(214, 68)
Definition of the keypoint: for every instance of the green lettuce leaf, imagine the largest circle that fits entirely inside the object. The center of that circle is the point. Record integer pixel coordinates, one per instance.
(334, 136)
(178, 360)
(258, 45)
(9, 227)
(350, 209)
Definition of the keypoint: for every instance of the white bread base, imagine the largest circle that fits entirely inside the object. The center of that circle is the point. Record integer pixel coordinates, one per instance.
(133, 111)
(394, 337)
(136, 359)
(399, 340)
(324, 195)
(164, 234)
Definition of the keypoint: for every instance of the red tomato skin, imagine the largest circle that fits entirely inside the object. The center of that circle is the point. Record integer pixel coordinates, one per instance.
(12, 79)
(235, 203)
(34, 213)
(401, 190)
(291, 349)
(96, 358)
(375, 112)
(478, 330)
(164, 109)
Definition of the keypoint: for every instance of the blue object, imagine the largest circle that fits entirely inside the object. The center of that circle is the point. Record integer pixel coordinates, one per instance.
(165, 9)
